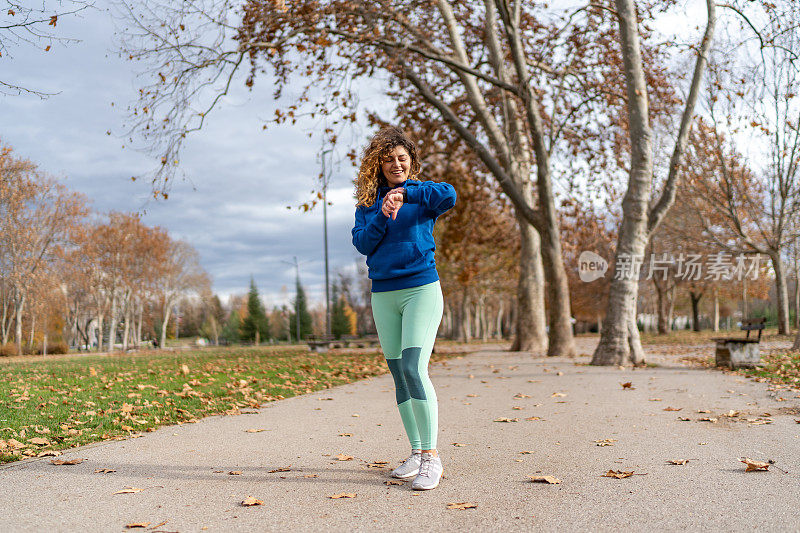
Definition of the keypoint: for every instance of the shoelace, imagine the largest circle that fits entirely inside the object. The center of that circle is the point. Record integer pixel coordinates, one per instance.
(424, 466)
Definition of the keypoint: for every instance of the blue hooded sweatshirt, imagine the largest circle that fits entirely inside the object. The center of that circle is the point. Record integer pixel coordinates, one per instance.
(400, 252)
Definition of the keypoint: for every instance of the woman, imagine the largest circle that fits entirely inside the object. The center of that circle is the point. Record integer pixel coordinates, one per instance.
(395, 213)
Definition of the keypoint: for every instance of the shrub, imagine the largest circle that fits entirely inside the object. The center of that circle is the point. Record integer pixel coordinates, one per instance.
(57, 348)
(8, 349)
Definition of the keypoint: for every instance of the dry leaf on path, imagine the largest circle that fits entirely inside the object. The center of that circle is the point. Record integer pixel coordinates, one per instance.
(707, 419)
(519, 396)
(128, 490)
(343, 457)
(617, 474)
(458, 444)
(703, 411)
(282, 469)
(628, 385)
(673, 408)
(680, 462)
(605, 442)
(104, 471)
(557, 395)
(683, 419)
(392, 482)
(235, 473)
(67, 462)
(311, 475)
(254, 430)
(343, 495)
(462, 505)
(377, 464)
(49, 453)
(503, 419)
(534, 418)
(137, 524)
(656, 400)
(250, 501)
(545, 479)
(345, 434)
(525, 452)
(752, 466)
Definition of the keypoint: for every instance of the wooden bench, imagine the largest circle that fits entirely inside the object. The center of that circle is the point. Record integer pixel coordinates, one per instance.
(323, 343)
(737, 352)
(319, 343)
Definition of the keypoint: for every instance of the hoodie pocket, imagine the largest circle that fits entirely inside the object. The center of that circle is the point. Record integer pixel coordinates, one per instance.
(394, 259)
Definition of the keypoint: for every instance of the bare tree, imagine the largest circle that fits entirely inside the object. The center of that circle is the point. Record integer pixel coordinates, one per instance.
(619, 340)
(24, 25)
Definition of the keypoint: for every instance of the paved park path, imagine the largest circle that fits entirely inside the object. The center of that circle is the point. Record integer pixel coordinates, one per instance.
(184, 471)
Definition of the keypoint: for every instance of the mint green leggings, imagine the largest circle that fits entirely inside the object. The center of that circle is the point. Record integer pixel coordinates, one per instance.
(407, 321)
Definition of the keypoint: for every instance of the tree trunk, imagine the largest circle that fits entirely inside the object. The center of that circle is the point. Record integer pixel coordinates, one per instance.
(499, 320)
(100, 319)
(33, 332)
(464, 325)
(164, 325)
(531, 332)
(716, 308)
(18, 328)
(127, 329)
(112, 323)
(695, 298)
(44, 343)
(782, 293)
(616, 338)
(662, 322)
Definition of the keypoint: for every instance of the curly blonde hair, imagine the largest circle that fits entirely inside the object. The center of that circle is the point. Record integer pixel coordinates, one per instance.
(370, 174)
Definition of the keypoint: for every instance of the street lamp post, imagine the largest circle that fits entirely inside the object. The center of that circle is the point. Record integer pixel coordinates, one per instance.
(325, 178)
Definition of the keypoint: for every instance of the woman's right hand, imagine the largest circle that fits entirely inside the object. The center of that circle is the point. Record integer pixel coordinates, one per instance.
(392, 203)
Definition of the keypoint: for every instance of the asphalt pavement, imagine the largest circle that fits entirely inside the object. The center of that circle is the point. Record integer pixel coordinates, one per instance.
(564, 419)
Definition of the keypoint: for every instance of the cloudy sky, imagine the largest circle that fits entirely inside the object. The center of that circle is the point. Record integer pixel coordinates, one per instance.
(232, 208)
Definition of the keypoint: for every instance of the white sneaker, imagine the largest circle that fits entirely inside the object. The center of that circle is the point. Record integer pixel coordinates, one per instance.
(410, 466)
(430, 472)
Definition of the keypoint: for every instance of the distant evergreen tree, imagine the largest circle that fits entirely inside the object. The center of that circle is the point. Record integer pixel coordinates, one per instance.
(340, 324)
(255, 326)
(230, 331)
(299, 305)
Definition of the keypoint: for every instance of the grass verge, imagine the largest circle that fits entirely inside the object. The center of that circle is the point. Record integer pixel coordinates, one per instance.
(50, 405)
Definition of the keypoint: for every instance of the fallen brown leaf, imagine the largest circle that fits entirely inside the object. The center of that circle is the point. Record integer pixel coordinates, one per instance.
(343, 457)
(656, 400)
(683, 419)
(533, 418)
(680, 462)
(253, 430)
(503, 419)
(235, 473)
(104, 471)
(392, 482)
(345, 434)
(310, 475)
(67, 462)
(250, 501)
(462, 505)
(545, 479)
(343, 495)
(39, 441)
(618, 474)
(605, 442)
(754, 465)
(49, 453)
(628, 385)
(525, 452)
(707, 419)
(673, 408)
(129, 490)
(283, 469)
(557, 395)
(137, 524)
(458, 444)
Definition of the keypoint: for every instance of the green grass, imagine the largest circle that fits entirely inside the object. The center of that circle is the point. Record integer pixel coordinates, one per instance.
(77, 400)
(777, 367)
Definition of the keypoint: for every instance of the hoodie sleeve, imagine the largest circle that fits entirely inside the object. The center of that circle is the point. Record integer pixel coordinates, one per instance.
(435, 197)
(368, 230)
